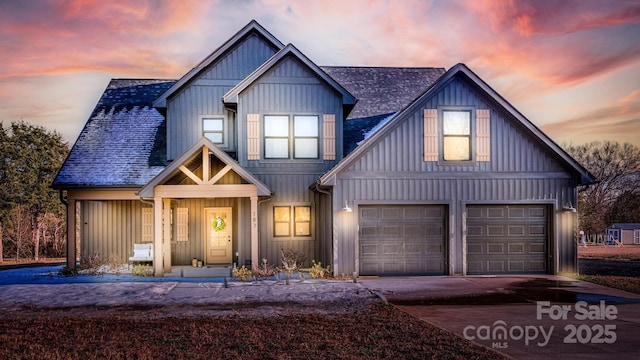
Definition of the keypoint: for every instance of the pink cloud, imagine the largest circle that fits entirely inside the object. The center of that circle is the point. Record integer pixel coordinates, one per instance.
(619, 120)
(555, 41)
(62, 37)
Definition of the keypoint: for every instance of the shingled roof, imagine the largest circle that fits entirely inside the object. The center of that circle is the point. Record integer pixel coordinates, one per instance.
(123, 143)
(381, 91)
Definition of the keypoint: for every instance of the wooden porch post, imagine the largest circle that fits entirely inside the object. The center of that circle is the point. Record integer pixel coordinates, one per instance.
(71, 233)
(254, 231)
(167, 235)
(158, 267)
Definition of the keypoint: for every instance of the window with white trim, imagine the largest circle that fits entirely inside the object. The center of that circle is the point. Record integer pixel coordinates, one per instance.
(213, 129)
(636, 236)
(285, 136)
(456, 135)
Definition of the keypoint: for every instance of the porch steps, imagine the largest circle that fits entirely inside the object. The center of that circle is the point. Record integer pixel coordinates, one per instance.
(206, 271)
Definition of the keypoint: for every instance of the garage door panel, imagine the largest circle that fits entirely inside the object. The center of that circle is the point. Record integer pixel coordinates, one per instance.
(391, 230)
(391, 213)
(495, 230)
(414, 249)
(496, 265)
(537, 248)
(392, 249)
(368, 231)
(537, 266)
(540, 230)
(516, 265)
(415, 230)
(406, 240)
(516, 248)
(495, 248)
(474, 230)
(517, 230)
(369, 214)
(369, 249)
(496, 213)
(507, 239)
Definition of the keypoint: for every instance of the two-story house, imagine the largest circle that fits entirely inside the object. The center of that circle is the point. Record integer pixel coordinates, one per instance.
(374, 170)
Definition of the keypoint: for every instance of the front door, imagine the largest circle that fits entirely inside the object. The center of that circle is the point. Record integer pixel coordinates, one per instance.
(219, 231)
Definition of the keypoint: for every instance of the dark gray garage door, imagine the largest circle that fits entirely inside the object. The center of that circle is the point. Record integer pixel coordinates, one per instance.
(503, 239)
(402, 240)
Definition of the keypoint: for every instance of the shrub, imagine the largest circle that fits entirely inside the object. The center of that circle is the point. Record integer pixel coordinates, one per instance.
(264, 270)
(242, 273)
(142, 270)
(318, 272)
(292, 260)
(68, 271)
(91, 264)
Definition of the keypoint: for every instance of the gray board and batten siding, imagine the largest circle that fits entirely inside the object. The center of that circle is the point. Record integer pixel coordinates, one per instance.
(391, 172)
(202, 95)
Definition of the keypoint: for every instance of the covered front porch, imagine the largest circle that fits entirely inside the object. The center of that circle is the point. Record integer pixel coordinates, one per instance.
(205, 206)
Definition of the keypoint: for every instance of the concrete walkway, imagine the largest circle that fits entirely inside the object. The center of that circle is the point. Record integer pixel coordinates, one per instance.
(545, 317)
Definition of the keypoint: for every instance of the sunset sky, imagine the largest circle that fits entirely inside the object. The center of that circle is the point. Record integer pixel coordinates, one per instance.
(572, 67)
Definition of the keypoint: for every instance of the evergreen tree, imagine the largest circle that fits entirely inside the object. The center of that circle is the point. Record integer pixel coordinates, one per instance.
(31, 158)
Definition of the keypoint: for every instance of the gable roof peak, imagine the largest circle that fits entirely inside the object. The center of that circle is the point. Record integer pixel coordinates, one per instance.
(232, 95)
(252, 26)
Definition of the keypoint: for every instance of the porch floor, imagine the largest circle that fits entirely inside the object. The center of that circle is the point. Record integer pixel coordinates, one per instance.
(207, 271)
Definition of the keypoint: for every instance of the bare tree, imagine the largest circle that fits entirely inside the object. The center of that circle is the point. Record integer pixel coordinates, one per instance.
(612, 164)
(19, 231)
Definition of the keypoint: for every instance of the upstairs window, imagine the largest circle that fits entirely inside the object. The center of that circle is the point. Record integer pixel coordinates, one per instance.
(305, 144)
(461, 134)
(276, 137)
(456, 135)
(213, 129)
(297, 135)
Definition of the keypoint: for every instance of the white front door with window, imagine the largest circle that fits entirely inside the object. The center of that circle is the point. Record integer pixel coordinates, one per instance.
(219, 235)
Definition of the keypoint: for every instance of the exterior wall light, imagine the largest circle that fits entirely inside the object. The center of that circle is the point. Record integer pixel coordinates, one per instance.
(346, 207)
(569, 207)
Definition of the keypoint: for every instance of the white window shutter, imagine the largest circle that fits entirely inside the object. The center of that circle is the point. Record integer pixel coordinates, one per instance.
(483, 134)
(147, 225)
(430, 134)
(182, 224)
(329, 133)
(253, 136)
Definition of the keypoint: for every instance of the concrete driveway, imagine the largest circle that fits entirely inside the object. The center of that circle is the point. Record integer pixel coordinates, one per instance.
(532, 317)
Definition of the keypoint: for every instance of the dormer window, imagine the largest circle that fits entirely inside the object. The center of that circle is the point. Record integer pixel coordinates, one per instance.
(285, 135)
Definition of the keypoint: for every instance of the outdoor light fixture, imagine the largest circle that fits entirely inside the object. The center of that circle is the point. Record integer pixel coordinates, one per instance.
(346, 207)
(569, 207)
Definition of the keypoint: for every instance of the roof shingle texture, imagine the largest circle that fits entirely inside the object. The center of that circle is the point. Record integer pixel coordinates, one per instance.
(383, 90)
(123, 143)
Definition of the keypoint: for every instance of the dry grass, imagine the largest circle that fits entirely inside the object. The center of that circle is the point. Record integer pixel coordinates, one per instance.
(626, 283)
(611, 266)
(12, 263)
(382, 332)
(627, 252)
